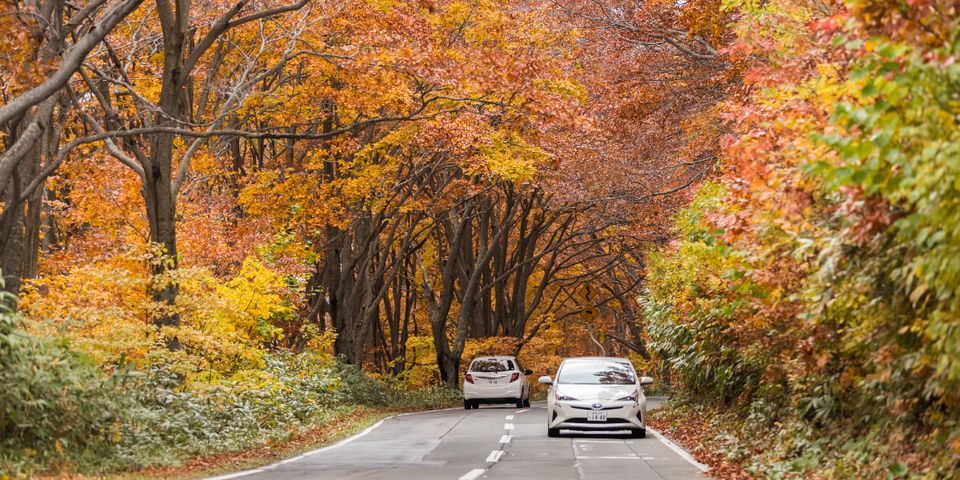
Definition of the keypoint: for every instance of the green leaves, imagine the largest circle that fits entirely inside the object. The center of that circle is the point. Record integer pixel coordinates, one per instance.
(837, 288)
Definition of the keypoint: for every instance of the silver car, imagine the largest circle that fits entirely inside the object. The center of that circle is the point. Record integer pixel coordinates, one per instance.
(596, 393)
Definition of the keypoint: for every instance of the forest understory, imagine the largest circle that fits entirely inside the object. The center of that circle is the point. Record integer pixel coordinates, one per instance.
(227, 223)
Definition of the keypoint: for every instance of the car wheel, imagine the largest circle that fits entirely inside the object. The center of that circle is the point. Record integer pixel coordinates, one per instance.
(553, 432)
(519, 403)
(639, 433)
(526, 403)
(467, 404)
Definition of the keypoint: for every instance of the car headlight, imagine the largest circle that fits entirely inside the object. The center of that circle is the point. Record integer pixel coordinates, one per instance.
(629, 398)
(565, 398)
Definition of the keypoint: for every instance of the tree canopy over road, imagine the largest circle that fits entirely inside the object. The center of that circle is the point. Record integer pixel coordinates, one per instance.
(297, 205)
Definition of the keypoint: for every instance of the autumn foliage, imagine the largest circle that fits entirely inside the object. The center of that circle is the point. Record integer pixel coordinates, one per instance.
(301, 207)
(813, 283)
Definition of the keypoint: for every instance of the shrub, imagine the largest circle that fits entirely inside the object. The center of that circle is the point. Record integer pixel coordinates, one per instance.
(53, 401)
(59, 410)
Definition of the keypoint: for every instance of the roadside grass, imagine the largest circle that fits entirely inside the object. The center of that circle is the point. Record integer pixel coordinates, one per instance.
(334, 426)
(63, 416)
(310, 438)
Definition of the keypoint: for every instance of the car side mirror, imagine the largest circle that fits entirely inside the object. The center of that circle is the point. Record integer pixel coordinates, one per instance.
(545, 380)
(646, 380)
(528, 372)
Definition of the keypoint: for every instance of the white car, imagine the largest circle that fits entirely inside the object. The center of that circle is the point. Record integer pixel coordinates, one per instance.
(596, 393)
(496, 380)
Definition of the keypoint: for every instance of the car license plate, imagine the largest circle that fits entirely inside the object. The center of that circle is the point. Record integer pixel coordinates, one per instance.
(596, 416)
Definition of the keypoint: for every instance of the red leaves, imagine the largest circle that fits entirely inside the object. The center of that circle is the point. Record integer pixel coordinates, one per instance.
(690, 429)
(870, 215)
(828, 25)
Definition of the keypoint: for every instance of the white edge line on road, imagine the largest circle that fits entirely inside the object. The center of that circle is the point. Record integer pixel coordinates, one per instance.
(302, 455)
(505, 439)
(322, 449)
(473, 474)
(678, 450)
(494, 456)
(238, 474)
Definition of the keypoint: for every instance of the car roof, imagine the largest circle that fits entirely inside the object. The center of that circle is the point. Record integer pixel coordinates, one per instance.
(596, 359)
(493, 357)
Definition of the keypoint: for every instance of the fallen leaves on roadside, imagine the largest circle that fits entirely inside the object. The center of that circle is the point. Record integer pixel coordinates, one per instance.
(691, 431)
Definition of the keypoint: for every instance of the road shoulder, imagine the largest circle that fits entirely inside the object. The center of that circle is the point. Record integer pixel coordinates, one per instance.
(694, 435)
(348, 425)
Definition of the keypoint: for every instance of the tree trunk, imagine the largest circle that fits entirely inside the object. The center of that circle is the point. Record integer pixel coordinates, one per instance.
(19, 229)
(161, 215)
(157, 189)
(20, 219)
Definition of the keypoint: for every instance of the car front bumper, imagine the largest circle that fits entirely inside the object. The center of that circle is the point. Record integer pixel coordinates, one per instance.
(573, 415)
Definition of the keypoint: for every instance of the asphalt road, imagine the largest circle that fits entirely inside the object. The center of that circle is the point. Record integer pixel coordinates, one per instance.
(490, 443)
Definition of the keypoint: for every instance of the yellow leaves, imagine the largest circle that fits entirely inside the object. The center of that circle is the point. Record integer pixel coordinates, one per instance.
(102, 308)
(704, 18)
(251, 298)
(566, 88)
(478, 21)
(422, 362)
(509, 157)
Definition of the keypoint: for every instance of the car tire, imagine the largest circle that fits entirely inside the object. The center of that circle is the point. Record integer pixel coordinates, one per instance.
(467, 404)
(639, 433)
(526, 403)
(519, 403)
(553, 432)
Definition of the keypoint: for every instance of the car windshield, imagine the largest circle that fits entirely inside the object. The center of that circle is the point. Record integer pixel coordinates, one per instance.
(491, 365)
(596, 373)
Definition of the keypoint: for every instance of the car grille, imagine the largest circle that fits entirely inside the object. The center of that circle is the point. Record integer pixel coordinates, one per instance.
(607, 421)
(591, 408)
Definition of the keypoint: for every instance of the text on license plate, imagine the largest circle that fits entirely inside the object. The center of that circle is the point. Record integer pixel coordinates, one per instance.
(596, 416)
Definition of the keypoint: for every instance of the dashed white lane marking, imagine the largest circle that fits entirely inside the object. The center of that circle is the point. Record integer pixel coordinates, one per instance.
(610, 457)
(679, 451)
(509, 417)
(473, 474)
(505, 439)
(521, 411)
(494, 456)
(508, 426)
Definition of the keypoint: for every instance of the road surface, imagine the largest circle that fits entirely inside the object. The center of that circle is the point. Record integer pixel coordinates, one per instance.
(494, 442)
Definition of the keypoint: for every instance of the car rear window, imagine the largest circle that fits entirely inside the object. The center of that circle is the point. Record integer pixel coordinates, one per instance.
(596, 373)
(491, 365)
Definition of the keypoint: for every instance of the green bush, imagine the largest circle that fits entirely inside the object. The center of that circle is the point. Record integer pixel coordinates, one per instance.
(53, 401)
(58, 410)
